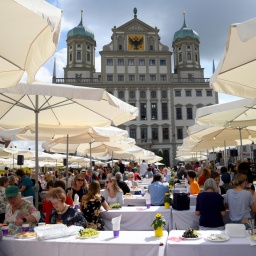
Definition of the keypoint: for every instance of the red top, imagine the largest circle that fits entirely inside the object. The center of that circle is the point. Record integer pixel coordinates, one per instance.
(47, 208)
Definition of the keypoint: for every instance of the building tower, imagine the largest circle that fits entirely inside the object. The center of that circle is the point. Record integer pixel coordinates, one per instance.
(80, 52)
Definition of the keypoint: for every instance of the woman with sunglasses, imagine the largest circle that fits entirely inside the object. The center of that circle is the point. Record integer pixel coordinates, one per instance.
(90, 206)
(79, 187)
(113, 193)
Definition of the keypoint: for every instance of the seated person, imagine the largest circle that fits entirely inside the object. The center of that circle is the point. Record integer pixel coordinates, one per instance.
(148, 174)
(19, 211)
(121, 183)
(131, 182)
(210, 207)
(90, 206)
(47, 205)
(194, 187)
(63, 213)
(157, 190)
(113, 194)
(205, 174)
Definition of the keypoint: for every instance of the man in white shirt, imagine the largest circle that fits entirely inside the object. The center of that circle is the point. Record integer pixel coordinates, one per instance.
(143, 167)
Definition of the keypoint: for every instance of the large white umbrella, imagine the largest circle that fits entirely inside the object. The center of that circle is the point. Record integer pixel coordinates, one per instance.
(235, 73)
(29, 37)
(60, 109)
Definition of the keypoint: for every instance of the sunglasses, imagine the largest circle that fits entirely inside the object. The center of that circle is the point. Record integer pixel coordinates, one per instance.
(80, 180)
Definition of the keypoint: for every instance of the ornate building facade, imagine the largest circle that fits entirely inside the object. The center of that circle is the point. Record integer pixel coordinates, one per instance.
(137, 68)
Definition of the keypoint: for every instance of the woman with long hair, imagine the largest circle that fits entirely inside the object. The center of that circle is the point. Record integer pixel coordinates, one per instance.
(90, 206)
(79, 187)
(206, 174)
(239, 201)
(113, 193)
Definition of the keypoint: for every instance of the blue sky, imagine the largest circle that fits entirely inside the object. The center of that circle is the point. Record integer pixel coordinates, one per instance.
(211, 19)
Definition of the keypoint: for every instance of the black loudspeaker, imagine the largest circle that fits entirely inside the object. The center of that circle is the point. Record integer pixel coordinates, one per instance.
(65, 161)
(219, 155)
(93, 163)
(233, 152)
(20, 159)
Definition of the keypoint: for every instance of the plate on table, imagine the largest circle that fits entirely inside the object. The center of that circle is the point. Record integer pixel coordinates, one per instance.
(25, 235)
(87, 237)
(199, 236)
(217, 238)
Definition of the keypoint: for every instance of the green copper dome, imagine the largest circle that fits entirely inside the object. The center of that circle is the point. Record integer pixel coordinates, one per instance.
(185, 32)
(80, 30)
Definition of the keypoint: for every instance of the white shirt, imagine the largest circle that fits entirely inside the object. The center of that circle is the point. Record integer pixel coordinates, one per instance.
(143, 168)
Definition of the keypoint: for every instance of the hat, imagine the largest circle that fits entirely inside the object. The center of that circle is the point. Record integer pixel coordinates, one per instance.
(11, 191)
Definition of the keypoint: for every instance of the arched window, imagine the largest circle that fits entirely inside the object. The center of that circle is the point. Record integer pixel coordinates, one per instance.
(153, 94)
(164, 94)
(121, 95)
(143, 94)
(132, 95)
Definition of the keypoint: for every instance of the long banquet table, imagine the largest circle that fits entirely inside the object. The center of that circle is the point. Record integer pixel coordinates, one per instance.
(136, 200)
(201, 247)
(136, 218)
(128, 243)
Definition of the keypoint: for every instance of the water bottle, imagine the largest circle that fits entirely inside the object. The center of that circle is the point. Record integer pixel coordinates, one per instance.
(148, 200)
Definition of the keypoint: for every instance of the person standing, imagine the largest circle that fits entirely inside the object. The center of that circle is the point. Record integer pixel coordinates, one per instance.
(26, 184)
(121, 166)
(143, 168)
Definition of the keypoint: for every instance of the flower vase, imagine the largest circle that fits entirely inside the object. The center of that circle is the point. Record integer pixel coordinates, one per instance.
(159, 232)
(167, 205)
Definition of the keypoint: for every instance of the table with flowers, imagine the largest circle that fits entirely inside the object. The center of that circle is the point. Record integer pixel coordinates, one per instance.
(135, 243)
(136, 218)
(201, 247)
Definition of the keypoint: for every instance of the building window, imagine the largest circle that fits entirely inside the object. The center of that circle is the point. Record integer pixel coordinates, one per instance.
(165, 133)
(162, 62)
(190, 77)
(70, 57)
(131, 78)
(164, 111)
(152, 78)
(109, 78)
(132, 104)
(121, 95)
(131, 62)
(78, 46)
(132, 94)
(189, 113)
(88, 56)
(142, 94)
(196, 57)
(143, 111)
(179, 133)
(151, 47)
(133, 133)
(164, 94)
(109, 62)
(188, 93)
(154, 133)
(120, 78)
(189, 55)
(142, 78)
(163, 78)
(153, 94)
(110, 92)
(198, 93)
(141, 62)
(120, 47)
(153, 111)
(120, 62)
(180, 57)
(177, 93)
(178, 113)
(209, 93)
(78, 55)
(152, 62)
(144, 134)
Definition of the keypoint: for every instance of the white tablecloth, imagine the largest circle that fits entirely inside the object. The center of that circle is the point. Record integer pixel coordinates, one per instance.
(136, 218)
(201, 247)
(185, 219)
(136, 200)
(128, 243)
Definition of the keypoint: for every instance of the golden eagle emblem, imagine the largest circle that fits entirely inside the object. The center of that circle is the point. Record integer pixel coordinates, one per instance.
(136, 43)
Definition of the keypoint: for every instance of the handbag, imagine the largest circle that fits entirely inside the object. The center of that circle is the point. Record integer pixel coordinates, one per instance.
(181, 201)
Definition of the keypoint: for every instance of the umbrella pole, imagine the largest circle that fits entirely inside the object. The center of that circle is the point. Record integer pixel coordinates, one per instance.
(241, 142)
(36, 152)
(225, 155)
(67, 162)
